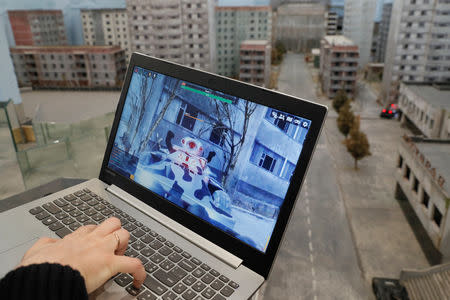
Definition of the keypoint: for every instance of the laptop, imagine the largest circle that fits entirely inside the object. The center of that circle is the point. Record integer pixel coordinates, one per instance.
(202, 170)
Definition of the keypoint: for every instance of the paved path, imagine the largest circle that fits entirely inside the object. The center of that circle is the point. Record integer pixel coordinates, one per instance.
(317, 259)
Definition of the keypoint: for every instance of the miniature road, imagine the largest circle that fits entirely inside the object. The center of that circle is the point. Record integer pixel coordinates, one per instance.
(317, 259)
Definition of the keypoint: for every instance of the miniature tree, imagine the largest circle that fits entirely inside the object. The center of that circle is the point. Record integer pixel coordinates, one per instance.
(339, 99)
(357, 144)
(345, 119)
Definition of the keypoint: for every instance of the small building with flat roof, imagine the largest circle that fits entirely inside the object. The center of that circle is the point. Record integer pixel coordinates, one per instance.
(423, 171)
(254, 65)
(427, 107)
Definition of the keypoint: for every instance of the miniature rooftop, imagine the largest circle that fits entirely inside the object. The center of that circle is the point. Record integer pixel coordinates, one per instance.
(338, 40)
(431, 94)
(438, 155)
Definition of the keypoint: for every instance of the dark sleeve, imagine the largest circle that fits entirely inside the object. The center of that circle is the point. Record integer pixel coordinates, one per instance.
(43, 281)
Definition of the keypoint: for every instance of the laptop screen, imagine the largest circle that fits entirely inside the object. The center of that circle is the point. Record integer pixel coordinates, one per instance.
(226, 160)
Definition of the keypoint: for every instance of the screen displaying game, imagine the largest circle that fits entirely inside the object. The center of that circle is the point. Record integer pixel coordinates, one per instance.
(226, 160)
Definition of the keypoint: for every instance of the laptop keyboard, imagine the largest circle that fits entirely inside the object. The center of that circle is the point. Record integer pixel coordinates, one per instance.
(172, 273)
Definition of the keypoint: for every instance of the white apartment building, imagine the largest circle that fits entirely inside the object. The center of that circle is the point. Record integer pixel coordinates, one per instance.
(106, 27)
(427, 107)
(423, 169)
(418, 45)
(358, 26)
(331, 22)
(181, 31)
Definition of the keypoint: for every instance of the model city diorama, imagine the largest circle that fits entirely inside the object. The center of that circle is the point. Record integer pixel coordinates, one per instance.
(224, 159)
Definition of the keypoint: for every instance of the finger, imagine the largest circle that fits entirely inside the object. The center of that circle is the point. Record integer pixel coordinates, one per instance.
(108, 226)
(124, 236)
(130, 265)
(83, 230)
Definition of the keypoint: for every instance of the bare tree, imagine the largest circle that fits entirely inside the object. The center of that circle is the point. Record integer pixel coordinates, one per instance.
(144, 96)
(227, 118)
(170, 97)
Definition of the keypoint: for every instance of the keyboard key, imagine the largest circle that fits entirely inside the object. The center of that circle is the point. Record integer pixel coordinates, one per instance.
(89, 222)
(217, 284)
(188, 295)
(205, 267)
(51, 208)
(68, 221)
(77, 202)
(131, 219)
(70, 197)
(196, 261)
(137, 223)
(198, 297)
(93, 202)
(145, 228)
(83, 207)
(175, 257)
(99, 207)
(146, 295)
(36, 210)
(178, 273)
(86, 198)
(147, 239)
(153, 233)
(179, 288)
(123, 279)
(138, 245)
(55, 226)
(106, 212)
(185, 254)
(147, 251)
(75, 213)
(227, 291)
(177, 249)
(42, 215)
(207, 278)
(86, 190)
(143, 259)
(82, 218)
(61, 202)
(68, 208)
(131, 240)
(98, 217)
(169, 244)
(74, 226)
(208, 293)
(189, 280)
(49, 220)
(233, 284)
(167, 265)
(131, 253)
(138, 233)
(154, 285)
(214, 273)
(198, 286)
(155, 244)
(224, 278)
(218, 297)
(151, 267)
(161, 238)
(90, 212)
(165, 250)
(129, 227)
(187, 265)
(63, 232)
(61, 215)
(198, 272)
(169, 296)
(134, 291)
(79, 193)
(157, 258)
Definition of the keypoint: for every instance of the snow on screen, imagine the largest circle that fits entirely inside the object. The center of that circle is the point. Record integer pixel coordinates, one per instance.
(224, 159)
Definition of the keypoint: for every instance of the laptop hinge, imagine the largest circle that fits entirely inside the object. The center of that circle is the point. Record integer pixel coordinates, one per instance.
(220, 253)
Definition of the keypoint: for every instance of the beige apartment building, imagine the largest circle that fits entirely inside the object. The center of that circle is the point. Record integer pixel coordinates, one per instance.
(427, 107)
(423, 171)
(106, 27)
(38, 27)
(69, 66)
(255, 56)
(178, 30)
(338, 65)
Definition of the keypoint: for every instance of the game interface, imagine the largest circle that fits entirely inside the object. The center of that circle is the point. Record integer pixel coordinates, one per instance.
(226, 160)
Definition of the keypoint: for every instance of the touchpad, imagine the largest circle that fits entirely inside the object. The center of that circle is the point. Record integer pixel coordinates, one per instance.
(10, 258)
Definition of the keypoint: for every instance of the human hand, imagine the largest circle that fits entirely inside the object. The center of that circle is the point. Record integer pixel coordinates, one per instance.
(93, 250)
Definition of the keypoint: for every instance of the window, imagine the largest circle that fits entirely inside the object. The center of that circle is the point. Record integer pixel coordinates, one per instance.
(218, 135)
(437, 216)
(186, 116)
(267, 162)
(407, 172)
(400, 162)
(416, 185)
(425, 198)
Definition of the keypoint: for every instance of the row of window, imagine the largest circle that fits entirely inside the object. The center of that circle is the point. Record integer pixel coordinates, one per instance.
(418, 112)
(232, 13)
(425, 199)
